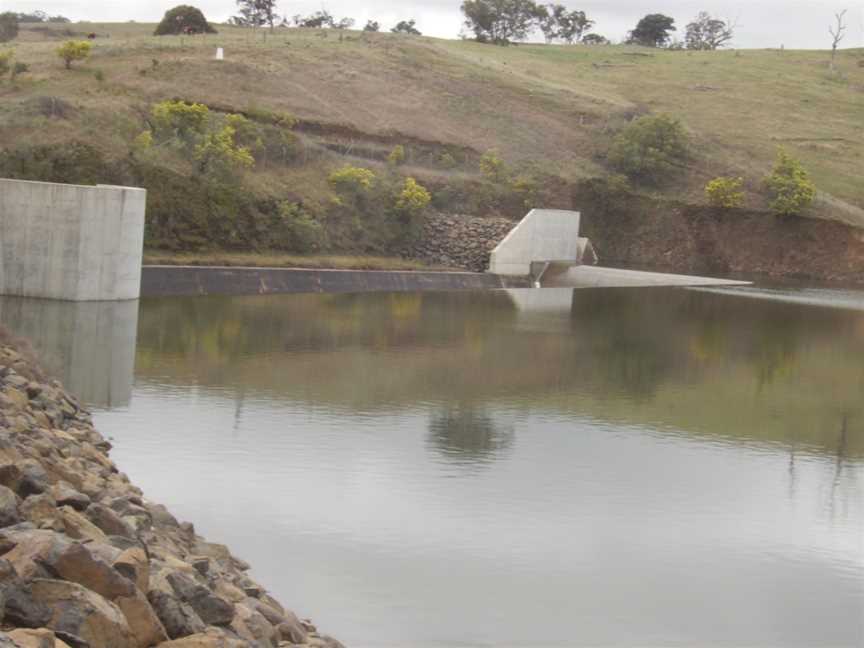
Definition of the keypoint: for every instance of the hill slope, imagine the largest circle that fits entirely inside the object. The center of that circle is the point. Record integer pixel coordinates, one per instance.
(358, 95)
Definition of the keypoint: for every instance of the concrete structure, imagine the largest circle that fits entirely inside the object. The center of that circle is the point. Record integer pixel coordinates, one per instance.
(543, 235)
(89, 346)
(160, 281)
(70, 242)
(583, 276)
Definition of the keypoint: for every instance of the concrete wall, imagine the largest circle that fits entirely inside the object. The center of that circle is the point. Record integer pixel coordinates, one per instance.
(159, 281)
(70, 242)
(543, 235)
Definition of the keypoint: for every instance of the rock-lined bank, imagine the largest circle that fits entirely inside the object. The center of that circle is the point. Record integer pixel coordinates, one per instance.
(459, 241)
(86, 561)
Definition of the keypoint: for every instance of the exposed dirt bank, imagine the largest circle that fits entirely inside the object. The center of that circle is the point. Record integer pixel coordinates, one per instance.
(86, 561)
(700, 240)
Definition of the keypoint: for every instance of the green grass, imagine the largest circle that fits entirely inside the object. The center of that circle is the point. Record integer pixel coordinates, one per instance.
(277, 260)
(559, 105)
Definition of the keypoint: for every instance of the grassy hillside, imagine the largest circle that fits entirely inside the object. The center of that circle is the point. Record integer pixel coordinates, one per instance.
(553, 109)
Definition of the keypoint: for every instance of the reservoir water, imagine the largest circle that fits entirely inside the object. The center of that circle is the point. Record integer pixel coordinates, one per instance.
(613, 467)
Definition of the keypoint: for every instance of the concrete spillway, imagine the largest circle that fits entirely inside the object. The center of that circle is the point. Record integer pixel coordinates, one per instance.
(546, 247)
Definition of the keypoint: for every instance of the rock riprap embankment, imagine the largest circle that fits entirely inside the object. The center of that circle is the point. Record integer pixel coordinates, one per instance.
(86, 561)
(459, 241)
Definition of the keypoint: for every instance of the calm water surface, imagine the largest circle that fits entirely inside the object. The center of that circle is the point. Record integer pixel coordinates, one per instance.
(534, 468)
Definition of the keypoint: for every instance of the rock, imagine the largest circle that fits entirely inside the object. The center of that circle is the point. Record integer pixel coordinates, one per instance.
(75, 563)
(142, 619)
(161, 517)
(40, 509)
(108, 521)
(212, 609)
(34, 551)
(8, 507)
(177, 617)
(40, 638)
(133, 564)
(79, 527)
(81, 612)
(18, 607)
(291, 628)
(252, 625)
(65, 495)
(34, 479)
(212, 638)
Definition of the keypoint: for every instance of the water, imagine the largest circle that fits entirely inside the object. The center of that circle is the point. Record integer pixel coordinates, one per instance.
(651, 467)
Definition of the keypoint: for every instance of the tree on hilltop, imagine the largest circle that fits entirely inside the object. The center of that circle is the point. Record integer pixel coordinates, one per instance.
(707, 33)
(501, 21)
(184, 19)
(837, 34)
(652, 31)
(8, 26)
(256, 13)
(558, 23)
(406, 27)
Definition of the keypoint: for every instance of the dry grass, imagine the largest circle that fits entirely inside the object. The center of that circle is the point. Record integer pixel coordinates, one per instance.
(277, 260)
(558, 105)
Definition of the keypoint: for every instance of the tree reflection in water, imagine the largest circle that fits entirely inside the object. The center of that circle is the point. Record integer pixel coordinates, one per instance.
(468, 435)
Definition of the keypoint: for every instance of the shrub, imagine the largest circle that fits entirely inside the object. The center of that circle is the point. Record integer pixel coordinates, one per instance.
(352, 182)
(19, 68)
(397, 156)
(493, 167)
(412, 200)
(650, 148)
(179, 119)
(299, 231)
(143, 141)
(6, 59)
(725, 192)
(184, 19)
(8, 26)
(72, 51)
(790, 185)
(99, 75)
(219, 152)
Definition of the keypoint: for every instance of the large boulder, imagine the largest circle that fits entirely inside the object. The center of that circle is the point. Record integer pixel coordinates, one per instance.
(134, 565)
(212, 638)
(252, 626)
(9, 502)
(77, 564)
(81, 612)
(145, 625)
(108, 521)
(212, 609)
(178, 618)
(36, 638)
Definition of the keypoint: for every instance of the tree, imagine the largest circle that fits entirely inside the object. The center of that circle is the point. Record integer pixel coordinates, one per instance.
(501, 21)
(406, 27)
(8, 26)
(256, 13)
(650, 148)
(707, 33)
(71, 51)
(836, 35)
(790, 185)
(557, 23)
(372, 26)
(725, 192)
(316, 20)
(343, 23)
(184, 19)
(595, 39)
(652, 31)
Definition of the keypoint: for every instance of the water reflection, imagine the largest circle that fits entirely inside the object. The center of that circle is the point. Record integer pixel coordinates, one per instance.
(89, 346)
(468, 435)
(593, 467)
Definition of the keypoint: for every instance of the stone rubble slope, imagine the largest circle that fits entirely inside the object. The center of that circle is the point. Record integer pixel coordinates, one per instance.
(87, 562)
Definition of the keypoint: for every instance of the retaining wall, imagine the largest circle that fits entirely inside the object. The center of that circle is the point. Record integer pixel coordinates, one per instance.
(70, 242)
(543, 235)
(195, 280)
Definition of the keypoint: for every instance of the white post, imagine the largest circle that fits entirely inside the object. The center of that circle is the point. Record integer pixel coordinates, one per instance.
(220, 54)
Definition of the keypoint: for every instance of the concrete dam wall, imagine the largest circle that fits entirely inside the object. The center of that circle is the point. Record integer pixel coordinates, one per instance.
(70, 242)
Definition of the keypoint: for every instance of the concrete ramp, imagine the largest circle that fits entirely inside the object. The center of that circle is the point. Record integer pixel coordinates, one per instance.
(583, 276)
(543, 235)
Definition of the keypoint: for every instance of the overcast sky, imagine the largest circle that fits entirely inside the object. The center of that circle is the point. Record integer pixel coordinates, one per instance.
(761, 23)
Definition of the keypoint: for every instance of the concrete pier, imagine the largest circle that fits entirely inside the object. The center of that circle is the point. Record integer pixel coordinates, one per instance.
(70, 242)
(543, 235)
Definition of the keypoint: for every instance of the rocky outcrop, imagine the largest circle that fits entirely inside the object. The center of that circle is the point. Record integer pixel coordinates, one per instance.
(86, 561)
(459, 241)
